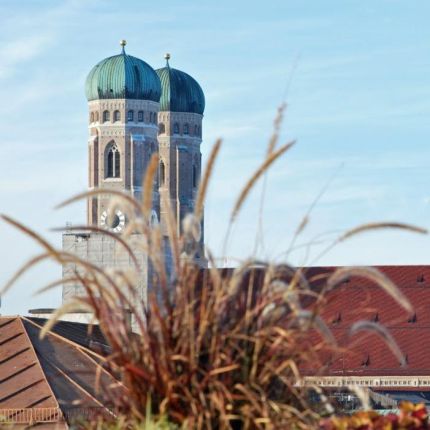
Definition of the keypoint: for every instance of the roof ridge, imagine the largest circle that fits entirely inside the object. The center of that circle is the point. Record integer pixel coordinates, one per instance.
(38, 362)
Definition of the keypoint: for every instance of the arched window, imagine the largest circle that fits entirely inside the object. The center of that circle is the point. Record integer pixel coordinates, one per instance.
(186, 129)
(92, 117)
(194, 176)
(161, 128)
(140, 116)
(106, 116)
(176, 128)
(130, 116)
(196, 130)
(117, 116)
(113, 160)
(162, 173)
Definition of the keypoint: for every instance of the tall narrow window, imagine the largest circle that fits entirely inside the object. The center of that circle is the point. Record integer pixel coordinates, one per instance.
(186, 129)
(106, 116)
(176, 128)
(194, 176)
(161, 128)
(117, 116)
(92, 117)
(140, 116)
(155, 118)
(113, 161)
(162, 174)
(97, 117)
(196, 130)
(130, 116)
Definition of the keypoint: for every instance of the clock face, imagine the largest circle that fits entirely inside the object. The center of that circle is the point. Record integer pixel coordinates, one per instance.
(116, 224)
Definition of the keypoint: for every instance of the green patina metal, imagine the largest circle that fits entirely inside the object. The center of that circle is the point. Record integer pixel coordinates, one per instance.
(123, 77)
(180, 92)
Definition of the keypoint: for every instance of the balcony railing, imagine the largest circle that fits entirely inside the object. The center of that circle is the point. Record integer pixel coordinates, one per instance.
(30, 415)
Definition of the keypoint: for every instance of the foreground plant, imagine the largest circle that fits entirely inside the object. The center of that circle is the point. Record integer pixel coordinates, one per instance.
(409, 417)
(215, 348)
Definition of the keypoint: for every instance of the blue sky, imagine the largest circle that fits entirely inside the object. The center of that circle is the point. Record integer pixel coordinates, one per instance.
(358, 78)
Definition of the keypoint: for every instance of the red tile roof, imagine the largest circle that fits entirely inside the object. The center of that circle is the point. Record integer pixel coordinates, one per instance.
(53, 378)
(23, 385)
(366, 354)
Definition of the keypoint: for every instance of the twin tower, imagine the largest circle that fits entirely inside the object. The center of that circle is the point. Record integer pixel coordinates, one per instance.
(134, 112)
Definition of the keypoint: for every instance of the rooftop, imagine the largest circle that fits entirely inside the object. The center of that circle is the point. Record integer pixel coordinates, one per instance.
(51, 380)
(367, 354)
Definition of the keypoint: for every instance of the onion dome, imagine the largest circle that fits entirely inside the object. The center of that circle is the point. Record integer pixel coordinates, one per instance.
(180, 92)
(123, 77)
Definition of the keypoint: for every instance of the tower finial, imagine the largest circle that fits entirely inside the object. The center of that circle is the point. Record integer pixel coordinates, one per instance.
(123, 42)
(167, 57)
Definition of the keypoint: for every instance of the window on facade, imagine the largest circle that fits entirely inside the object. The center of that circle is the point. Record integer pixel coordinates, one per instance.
(194, 176)
(106, 116)
(176, 128)
(113, 160)
(162, 174)
(186, 129)
(140, 116)
(116, 116)
(97, 117)
(92, 117)
(155, 118)
(130, 116)
(161, 128)
(196, 130)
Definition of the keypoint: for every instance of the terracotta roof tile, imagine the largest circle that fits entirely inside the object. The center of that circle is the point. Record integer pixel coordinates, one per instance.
(54, 375)
(359, 299)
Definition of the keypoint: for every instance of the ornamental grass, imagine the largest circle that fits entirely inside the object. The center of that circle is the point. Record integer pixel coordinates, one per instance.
(215, 348)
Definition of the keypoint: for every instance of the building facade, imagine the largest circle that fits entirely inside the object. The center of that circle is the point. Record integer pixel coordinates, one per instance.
(134, 112)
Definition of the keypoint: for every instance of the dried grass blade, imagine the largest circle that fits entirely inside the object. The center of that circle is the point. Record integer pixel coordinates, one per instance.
(271, 158)
(374, 275)
(32, 262)
(204, 183)
(98, 192)
(381, 331)
(224, 369)
(382, 225)
(172, 231)
(29, 232)
(276, 127)
(148, 186)
(76, 305)
(56, 283)
(317, 322)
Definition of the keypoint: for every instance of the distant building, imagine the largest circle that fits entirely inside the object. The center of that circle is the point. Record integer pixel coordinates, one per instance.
(365, 359)
(134, 112)
(51, 382)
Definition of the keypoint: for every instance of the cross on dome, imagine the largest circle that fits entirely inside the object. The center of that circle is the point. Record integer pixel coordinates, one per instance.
(123, 42)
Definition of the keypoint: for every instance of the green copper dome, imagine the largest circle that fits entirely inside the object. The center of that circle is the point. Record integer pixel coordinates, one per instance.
(180, 92)
(123, 77)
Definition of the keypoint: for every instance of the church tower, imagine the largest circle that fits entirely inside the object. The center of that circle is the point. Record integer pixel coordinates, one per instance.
(180, 117)
(135, 111)
(123, 94)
